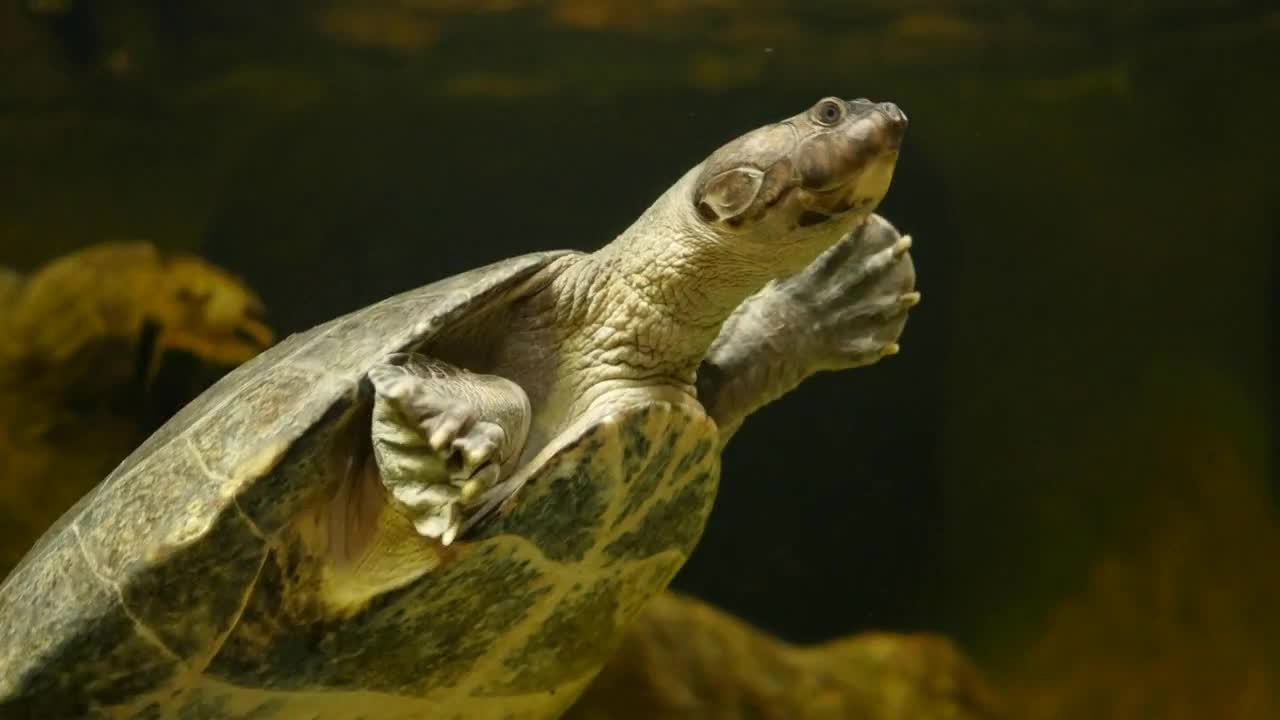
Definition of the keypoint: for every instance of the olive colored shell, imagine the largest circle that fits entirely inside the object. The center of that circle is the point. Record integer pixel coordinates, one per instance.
(175, 589)
(200, 495)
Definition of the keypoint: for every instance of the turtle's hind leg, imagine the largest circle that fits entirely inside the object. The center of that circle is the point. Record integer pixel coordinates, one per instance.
(409, 473)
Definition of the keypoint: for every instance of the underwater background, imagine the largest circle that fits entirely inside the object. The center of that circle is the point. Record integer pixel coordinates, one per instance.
(1070, 468)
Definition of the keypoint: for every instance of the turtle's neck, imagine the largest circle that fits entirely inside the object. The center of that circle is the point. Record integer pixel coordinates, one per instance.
(651, 302)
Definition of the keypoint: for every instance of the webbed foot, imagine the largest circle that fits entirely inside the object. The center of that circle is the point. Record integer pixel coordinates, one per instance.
(850, 304)
(442, 436)
(846, 309)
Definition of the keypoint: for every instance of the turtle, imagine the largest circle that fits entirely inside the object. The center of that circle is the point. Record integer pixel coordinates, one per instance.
(450, 503)
(679, 657)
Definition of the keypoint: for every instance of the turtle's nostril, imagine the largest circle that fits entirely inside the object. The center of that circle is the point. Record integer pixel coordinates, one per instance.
(892, 124)
(891, 112)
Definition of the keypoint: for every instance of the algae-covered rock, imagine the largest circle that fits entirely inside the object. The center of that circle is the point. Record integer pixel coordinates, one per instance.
(98, 347)
(686, 660)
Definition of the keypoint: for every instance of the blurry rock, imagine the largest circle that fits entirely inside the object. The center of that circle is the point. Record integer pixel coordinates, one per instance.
(1179, 622)
(685, 660)
(97, 348)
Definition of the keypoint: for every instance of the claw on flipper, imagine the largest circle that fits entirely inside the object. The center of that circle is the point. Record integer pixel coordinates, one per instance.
(437, 446)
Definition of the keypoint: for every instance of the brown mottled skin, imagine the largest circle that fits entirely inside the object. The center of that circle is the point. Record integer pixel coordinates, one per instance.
(451, 503)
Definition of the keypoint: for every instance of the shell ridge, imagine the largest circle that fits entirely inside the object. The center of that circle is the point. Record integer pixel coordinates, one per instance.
(185, 435)
(220, 641)
(253, 526)
(144, 631)
(235, 501)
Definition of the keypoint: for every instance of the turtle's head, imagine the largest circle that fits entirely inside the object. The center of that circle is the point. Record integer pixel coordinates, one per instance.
(789, 190)
(761, 207)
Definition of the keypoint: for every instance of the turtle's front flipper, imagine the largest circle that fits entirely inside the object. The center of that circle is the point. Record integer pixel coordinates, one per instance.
(845, 310)
(442, 436)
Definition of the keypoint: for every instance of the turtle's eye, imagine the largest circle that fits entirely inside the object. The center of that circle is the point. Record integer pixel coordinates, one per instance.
(828, 111)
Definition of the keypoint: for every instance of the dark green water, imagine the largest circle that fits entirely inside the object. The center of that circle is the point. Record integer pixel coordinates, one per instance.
(1084, 411)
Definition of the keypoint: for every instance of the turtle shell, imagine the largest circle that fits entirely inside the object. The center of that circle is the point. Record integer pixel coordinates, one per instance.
(177, 588)
(104, 605)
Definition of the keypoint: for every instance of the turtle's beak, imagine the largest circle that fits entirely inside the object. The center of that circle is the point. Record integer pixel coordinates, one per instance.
(893, 124)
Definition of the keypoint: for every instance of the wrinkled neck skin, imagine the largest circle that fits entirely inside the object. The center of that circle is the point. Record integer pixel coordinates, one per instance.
(646, 307)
